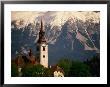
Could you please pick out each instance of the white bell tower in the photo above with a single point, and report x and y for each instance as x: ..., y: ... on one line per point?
x: 43, y: 47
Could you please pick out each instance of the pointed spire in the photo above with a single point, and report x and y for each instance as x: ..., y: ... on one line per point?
x: 41, y: 33
x: 41, y: 25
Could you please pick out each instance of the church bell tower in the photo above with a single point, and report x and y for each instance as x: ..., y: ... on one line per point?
x: 42, y: 47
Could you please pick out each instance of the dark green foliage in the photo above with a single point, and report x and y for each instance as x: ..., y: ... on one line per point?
x: 39, y: 71
x: 27, y: 70
x: 65, y: 64
x: 88, y: 68
x: 32, y: 70
x: 14, y: 70
x: 79, y: 69
x: 94, y: 65
x: 71, y: 68
x: 48, y: 72
x: 36, y: 71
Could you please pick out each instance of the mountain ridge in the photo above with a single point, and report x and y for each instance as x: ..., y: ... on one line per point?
x: 73, y: 38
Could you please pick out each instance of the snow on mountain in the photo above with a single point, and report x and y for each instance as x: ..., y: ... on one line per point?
x: 27, y: 16
x: 81, y: 37
x: 59, y: 18
x: 60, y: 24
x: 23, y: 18
x: 64, y: 31
x: 54, y: 18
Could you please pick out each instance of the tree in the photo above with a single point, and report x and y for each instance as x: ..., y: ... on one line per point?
x: 79, y: 69
x: 48, y: 72
x: 14, y: 70
x: 27, y: 70
x: 39, y: 71
x: 94, y: 64
x: 31, y: 70
x: 65, y: 64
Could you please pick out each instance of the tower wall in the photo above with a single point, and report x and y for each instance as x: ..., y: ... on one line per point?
x: 44, y: 54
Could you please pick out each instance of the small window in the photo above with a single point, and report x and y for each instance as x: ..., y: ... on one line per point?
x: 43, y: 48
x: 43, y: 56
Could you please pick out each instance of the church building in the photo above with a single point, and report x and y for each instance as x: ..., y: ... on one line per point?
x: 42, y: 47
